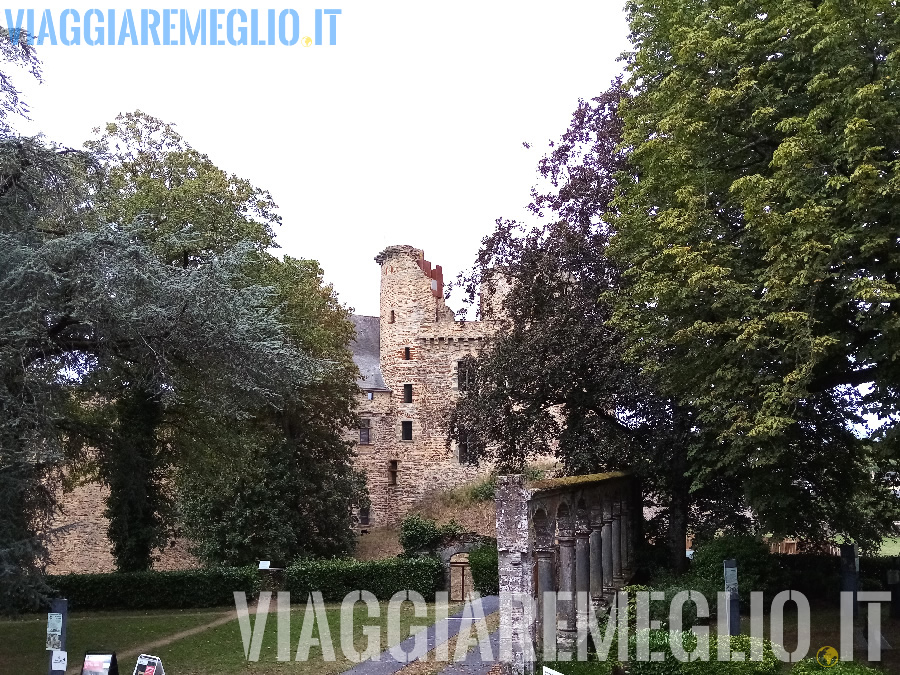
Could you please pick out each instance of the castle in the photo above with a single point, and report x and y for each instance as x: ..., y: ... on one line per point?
x: 409, y: 360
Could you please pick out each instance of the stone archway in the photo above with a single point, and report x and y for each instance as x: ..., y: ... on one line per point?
x: 457, y: 573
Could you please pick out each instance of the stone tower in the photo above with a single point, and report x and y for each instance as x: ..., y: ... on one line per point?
x: 403, y: 444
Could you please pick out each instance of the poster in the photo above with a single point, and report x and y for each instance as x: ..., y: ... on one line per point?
x: 59, y: 660
x: 54, y: 631
x: 149, y: 665
x: 100, y: 664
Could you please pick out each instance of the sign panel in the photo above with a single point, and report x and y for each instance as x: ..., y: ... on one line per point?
x: 96, y: 663
x: 149, y: 665
x: 59, y: 660
x: 54, y: 631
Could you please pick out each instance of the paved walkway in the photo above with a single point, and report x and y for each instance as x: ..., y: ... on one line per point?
x: 387, y: 664
x: 473, y: 665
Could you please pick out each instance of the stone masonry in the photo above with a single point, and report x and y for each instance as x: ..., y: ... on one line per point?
x: 419, y: 345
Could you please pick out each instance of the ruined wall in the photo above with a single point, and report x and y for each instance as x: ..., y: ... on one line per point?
x: 79, y: 543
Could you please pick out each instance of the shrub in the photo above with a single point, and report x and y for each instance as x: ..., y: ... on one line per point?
x: 807, y: 666
x: 660, y: 642
x: 336, y: 578
x: 757, y: 569
x: 483, y: 562
x: 484, y: 490
x: 423, y: 535
x: 156, y: 590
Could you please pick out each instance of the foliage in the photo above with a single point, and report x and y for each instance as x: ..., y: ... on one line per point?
x: 756, y: 225
x: 15, y: 49
x: 337, y: 578
x: 484, y: 563
x: 757, y: 568
x: 424, y: 535
x: 660, y: 641
x: 211, y: 587
x: 555, y: 377
x: 810, y: 665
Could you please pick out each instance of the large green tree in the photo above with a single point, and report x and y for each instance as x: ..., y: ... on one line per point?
x: 192, y: 213
x: 757, y: 227
x: 555, y: 378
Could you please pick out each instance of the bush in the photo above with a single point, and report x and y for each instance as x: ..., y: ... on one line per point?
x: 757, y: 569
x: 483, y: 562
x: 660, y: 642
x: 336, y: 578
x: 423, y: 535
x: 808, y: 666
x: 156, y: 590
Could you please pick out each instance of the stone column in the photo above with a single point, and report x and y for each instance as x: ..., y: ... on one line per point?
x: 546, y: 577
x: 566, y: 580
x: 606, y: 536
x: 618, y: 579
x: 582, y: 569
x: 596, y: 552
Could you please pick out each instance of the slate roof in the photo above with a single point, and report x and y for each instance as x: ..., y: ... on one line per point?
x: 367, y: 352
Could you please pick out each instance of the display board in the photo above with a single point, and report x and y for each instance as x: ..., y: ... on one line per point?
x: 100, y: 663
x: 149, y: 665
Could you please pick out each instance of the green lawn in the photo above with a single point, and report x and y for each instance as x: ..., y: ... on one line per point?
x: 219, y: 650
x: 890, y: 547
x: 22, y: 641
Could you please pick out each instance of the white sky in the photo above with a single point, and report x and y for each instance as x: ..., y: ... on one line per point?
x: 408, y: 131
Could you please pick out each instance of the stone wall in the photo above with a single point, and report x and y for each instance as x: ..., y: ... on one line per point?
x: 79, y: 543
x: 415, y: 316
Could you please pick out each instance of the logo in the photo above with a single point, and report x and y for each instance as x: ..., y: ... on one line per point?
x: 827, y: 656
x: 306, y: 42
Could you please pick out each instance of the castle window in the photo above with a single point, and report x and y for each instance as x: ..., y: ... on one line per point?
x: 370, y: 395
x: 393, y: 470
x: 407, y: 393
x: 392, y: 317
x: 364, y: 516
x: 406, y: 353
x: 406, y: 431
x: 465, y: 374
x: 464, y: 446
x: 365, y: 432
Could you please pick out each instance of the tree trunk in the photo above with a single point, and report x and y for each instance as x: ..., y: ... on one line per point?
x: 132, y: 468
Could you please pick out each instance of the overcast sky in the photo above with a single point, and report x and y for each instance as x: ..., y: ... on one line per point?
x: 408, y: 131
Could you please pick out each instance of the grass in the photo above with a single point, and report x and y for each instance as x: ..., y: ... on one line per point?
x: 219, y: 649
x: 890, y: 547
x: 22, y: 641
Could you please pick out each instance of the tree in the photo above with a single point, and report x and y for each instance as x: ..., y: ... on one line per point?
x: 756, y: 226
x: 284, y: 481
x: 555, y: 377
x: 192, y: 212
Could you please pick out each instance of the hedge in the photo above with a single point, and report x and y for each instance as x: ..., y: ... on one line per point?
x: 809, y: 666
x: 209, y: 587
x: 483, y: 561
x: 336, y: 578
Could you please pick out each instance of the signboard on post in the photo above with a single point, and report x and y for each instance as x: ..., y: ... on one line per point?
x: 149, y: 665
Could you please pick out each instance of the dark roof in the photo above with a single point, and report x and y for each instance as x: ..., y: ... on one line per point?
x: 366, y: 350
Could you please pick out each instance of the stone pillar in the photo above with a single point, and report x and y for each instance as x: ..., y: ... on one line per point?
x: 566, y: 581
x: 546, y: 582
x: 606, y: 546
x: 582, y: 569
x: 626, y: 537
x: 596, y: 553
x: 514, y: 552
x: 618, y: 578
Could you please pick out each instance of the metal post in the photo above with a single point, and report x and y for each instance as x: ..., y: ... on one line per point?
x: 59, y: 606
x: 734, y: 603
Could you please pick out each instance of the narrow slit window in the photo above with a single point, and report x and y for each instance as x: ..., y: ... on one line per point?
x: 406, y: 431
x: 407, y: 393
x: 392, y: 317
x: 393, y: 470
x: 406, y: 353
